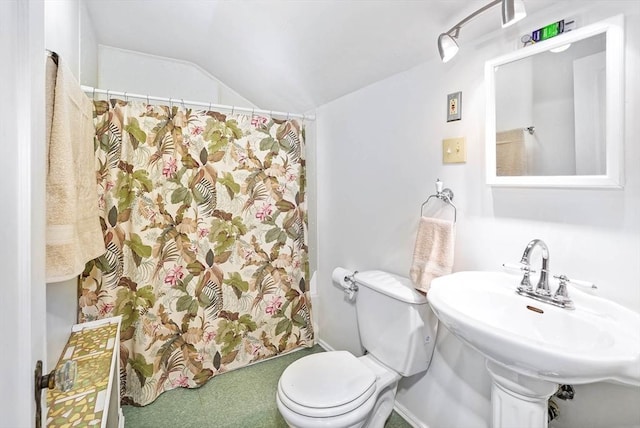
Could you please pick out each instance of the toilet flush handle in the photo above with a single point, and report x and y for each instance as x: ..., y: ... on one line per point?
x: 353, y: 285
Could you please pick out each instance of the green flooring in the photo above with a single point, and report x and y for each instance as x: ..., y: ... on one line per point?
x: 240, y: 398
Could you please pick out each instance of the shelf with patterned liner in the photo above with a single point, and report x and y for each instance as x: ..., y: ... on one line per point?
x: 93, y: 400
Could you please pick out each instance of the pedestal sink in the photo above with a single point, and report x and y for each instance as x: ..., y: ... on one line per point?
x: 532, y: 346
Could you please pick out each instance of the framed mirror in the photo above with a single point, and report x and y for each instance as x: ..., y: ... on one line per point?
x: 555, y: 111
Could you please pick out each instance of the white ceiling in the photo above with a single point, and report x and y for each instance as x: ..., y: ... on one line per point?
x: 290, y: 55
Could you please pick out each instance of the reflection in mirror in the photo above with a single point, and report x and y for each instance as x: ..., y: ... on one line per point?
x: 554, y: 111
x: 550, y: 112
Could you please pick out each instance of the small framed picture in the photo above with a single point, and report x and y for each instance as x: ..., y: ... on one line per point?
x: 454, y: 106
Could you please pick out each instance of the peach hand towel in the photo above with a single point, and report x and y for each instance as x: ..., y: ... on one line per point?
x: 433, y: 252
x: 73, y: 233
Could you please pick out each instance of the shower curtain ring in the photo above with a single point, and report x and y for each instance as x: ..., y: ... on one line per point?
x: 148, y: 99
x: 126, y: 98
x: 107, y: 95
x: 209, y: 105
x: 253, y: 112
x: 183, y: 106
x: 288, y: 113
x: 233, y: 110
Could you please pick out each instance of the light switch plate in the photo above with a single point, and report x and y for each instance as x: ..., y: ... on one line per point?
x: 454, y: 150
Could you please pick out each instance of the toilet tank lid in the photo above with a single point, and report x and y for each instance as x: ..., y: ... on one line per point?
x: 392, y: 285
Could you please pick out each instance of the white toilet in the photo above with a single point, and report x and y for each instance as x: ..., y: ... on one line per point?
x: 336, y: 389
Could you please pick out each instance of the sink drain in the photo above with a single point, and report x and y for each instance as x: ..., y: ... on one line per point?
x: 534, y: 309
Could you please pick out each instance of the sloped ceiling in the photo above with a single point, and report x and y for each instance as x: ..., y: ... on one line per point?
x: 288, y: 55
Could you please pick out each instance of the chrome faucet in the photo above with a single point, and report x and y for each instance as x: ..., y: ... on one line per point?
x: 542, y: 289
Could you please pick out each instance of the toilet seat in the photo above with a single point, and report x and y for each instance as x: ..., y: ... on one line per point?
x: 326, y: 384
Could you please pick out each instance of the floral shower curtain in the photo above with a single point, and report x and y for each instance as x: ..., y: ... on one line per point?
x: 205, y: 227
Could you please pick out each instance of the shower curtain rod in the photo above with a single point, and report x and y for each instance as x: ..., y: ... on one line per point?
x: 233, y: 109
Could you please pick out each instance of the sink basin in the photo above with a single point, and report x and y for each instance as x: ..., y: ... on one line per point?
x: 599, y: 340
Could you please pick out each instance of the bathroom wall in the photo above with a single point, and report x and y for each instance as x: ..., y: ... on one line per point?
x: 62, y: 30
x: 163, y: 77
x: 378, y: 156
x: 88, y: 49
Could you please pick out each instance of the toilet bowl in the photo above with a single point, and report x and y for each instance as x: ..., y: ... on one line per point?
x: 338, y: 390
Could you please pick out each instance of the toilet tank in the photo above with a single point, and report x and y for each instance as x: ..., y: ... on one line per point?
x: 395, y: 322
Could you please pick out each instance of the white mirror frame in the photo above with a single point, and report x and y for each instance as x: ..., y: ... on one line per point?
x: 615, y: 110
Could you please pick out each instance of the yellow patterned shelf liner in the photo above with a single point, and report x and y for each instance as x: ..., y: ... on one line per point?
x: 82, y: 406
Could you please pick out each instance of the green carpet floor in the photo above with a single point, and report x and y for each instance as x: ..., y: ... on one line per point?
x: 238, y: 399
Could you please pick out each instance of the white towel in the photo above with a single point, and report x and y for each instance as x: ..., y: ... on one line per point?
x: 73, y: 233
x: 433, y: 252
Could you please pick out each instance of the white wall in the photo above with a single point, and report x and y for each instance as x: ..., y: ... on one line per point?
x: 141, y: 73
x: 379, y: 153
x: 62, y: 31
x: 88, y: 46
x: 69, y: 32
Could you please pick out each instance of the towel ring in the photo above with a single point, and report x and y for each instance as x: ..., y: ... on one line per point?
x: 445, y: 195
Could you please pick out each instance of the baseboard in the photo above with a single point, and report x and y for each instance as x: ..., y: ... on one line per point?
x: 408, y: 416
x: 399, y: 408
x: 324, y: 345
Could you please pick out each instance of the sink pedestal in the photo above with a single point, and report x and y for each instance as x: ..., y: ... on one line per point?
x: 518, y: 401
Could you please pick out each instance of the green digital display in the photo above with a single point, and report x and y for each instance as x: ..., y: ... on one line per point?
x: 548, y: 31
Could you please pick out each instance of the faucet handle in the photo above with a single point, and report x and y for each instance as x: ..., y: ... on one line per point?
x: 586, y: 286
x: 561, y: 292
x: 562, y: 295
x: 518, y: 267
x: 525, y: 285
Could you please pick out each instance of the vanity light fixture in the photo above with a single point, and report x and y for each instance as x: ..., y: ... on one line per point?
x: 512, y: 12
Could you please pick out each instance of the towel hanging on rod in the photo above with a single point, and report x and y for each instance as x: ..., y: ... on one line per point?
x: 53, y: 55
x: 445, y: 195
